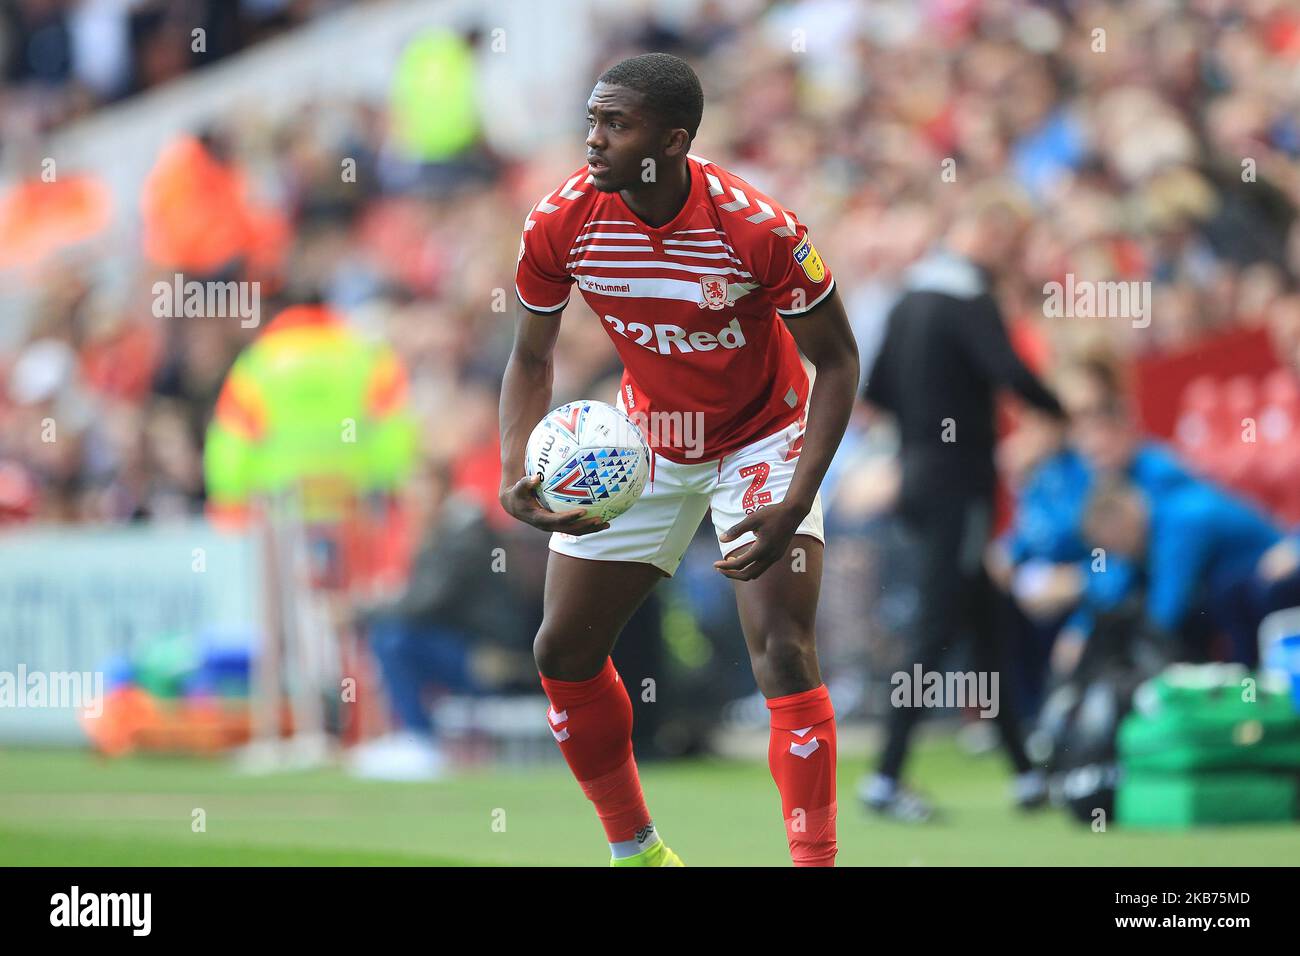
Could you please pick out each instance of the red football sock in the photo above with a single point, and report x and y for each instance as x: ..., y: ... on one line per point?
x: 592, y: 721
x: 801, y: 754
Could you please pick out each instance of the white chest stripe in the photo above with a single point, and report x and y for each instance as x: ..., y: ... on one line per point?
x: 656, y: 264
x: 681, y: 290
x: 611, y: 249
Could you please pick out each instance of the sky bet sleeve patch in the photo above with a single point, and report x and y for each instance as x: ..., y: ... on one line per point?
x: 806, y: 255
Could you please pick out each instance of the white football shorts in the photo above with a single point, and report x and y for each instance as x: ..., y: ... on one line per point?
x: 659, y: 527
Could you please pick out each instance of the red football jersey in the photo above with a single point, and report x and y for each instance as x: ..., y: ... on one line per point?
x: 692, y: 306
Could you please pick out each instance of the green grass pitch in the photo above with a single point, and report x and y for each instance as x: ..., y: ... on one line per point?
x: 72, y: 808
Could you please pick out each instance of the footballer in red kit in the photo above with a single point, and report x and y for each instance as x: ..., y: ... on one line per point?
x: 692, y: 306
x: 709, y: 290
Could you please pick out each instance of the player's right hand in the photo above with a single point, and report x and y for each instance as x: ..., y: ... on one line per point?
x: 521, y: 502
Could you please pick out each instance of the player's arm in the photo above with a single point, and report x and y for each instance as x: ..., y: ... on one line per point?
x: 525, y: 400
x: 825, y: 338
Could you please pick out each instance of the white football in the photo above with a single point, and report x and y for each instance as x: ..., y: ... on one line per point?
x: 589, y: 456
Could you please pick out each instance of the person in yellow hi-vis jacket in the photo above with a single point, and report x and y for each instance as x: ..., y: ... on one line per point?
x: 310, y: 429
x: 310, y: 404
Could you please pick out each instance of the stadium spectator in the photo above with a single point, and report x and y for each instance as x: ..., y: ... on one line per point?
x: 1106, y: 433
x: 1200, y: 552
x: 1040, y: 562
x: 199, y: 218
x: 445, y: 629
x: 1112, y: 447
x: 310, y: 409
x: 63, y: 60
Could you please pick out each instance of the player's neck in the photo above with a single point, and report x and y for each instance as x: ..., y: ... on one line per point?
x: 658, y: 203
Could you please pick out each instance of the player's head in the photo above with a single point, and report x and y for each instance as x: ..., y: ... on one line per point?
x: 646, y: 107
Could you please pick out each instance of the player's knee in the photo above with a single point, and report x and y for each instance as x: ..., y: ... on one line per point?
x: 788, y: 655
x: 558, y: 657
x: 547, y: 652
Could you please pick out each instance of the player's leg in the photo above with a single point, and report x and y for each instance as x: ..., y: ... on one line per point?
x: 778, y: 612
x: 594, y: 583
x: 587, y: 605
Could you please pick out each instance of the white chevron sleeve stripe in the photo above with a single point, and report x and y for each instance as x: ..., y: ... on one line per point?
x: 788, y: 230
x: 740, y: 202
x: 568, y: 192
x: 765, y: 213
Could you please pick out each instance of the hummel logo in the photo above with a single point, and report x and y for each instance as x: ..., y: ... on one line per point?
x: 804, y: 750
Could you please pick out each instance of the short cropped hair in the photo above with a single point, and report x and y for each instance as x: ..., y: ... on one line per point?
x: 669, y: 86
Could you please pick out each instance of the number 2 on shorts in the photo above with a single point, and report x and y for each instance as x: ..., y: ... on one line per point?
x: 753, y: 497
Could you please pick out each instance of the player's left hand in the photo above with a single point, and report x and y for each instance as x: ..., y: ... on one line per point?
x: 774, y: 527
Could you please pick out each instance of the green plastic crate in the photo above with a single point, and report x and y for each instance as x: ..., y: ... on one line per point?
x: 1194, y: 718
x: 1178, y: 801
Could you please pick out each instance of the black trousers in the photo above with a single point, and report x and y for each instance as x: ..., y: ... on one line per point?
x: 957, y: 603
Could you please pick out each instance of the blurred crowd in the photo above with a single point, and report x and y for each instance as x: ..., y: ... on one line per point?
x: 61, y: 59
x: 1155, y: 141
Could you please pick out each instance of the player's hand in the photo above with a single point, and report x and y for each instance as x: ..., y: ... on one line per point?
x: 521, y: 502
x: 774, y: 527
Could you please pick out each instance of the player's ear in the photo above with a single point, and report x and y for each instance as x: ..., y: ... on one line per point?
x: 678, y: 143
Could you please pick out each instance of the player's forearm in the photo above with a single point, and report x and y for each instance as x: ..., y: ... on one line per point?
x: 829, y: 408
x: 525, y: 399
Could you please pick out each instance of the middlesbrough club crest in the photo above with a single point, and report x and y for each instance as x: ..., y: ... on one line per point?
x: 715, y: 292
